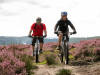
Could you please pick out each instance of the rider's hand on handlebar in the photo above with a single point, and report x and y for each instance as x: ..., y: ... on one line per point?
x: 45, y: 35
x: 29, y: 36
x: 74, y: 32
x: 71, y: 33
x: 54, y: 32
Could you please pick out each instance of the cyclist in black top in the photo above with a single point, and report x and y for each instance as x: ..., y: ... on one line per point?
x: 62, y: 26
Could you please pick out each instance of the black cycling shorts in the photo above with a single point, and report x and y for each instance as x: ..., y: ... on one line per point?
x: 41, y: 40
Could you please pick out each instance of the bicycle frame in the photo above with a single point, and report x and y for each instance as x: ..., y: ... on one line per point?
x: 65, y: 49
x: 36, y: 45
x: 65, y: 46
x: 36, y: 50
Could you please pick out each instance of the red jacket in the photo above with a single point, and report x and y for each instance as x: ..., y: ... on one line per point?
x: 38, y: 30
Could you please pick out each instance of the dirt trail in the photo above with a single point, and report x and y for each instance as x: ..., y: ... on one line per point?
x: 45, y: 70
x: 93, y: 69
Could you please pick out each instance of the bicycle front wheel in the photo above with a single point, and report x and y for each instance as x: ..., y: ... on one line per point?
x: 66, y: 51
x: 61, y: 55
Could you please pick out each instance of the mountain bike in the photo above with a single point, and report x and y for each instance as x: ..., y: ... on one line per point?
x: 64, y: 48
x: 36, y: 49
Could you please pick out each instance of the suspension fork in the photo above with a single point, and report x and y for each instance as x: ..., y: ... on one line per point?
x: 66, y: 51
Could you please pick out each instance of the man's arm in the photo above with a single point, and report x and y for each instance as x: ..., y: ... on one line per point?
x: 73, y: 28
x: 56, y: 26
x: 30, y: 32
x: 31, y: 29
x: 45, y: 31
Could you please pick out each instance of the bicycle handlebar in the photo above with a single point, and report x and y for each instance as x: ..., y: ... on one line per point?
x: 37, y: 36
x: 70, y: 33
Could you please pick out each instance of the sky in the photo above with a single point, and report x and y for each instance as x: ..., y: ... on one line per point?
x: 17, y: 16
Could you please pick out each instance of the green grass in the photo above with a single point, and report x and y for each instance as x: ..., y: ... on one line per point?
x: 46, y: 52
x: 72, y: 49
x: 41, y: 63
x: 71, y: 57
x: 64, y: 72
x: 29, y: 64
x: 51, y: 60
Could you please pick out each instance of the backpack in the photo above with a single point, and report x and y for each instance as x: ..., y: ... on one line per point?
x: 36, y: 25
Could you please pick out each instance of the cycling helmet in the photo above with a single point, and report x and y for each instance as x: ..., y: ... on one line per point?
x: 38, y: 19
x: 64, y: 13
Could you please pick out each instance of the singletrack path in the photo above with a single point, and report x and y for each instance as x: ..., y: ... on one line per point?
x: 52, y: 70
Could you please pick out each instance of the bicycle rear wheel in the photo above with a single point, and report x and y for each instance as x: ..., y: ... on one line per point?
x: 37, y: 56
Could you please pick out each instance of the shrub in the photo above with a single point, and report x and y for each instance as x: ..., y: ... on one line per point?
x: 28, y: 64
x: 51, y: 60
x: 64, y: 72
x: 97, y: 51
x: 87, y: 50
x: 14, y: 60
x: 10, y: 65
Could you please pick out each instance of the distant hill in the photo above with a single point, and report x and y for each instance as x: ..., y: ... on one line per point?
x: 26, y: 40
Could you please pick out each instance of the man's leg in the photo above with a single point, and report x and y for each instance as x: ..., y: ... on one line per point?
x: 33, y: 44
x: 41, y: 44
x: 59, y: 40
x: 33, y: 49
x: 41, y: 47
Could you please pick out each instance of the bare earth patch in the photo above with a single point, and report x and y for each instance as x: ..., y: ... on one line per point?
x: 93, y: 69
x: 52, y: 70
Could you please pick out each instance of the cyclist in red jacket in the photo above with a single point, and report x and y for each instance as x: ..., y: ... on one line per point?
x: 37, y: 29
